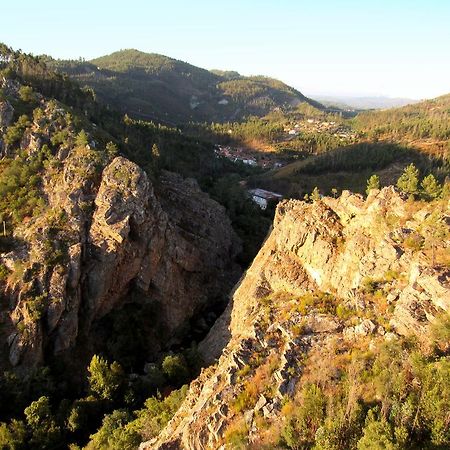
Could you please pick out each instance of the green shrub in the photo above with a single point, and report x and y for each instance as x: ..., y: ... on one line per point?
x: 15, y: 132
x: 4, y: 272
x: 105, y: 380
x: 175, y: 368
x: 36, y: 307
x: 26, y: 94
x: 114, y: 434
x: 157, y: 412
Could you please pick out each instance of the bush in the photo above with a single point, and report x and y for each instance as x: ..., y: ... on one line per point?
x: 175, y: 368
x: 15, y: 132
x: 114, y: 434
x: 45, y: 433
x: 105, y: 380
x: 13, y: 435
x: 236, y: 435
x: 157, y: 412
x: 377, y: 435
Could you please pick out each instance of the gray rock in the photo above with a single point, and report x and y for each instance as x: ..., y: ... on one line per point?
x: 6, y: 114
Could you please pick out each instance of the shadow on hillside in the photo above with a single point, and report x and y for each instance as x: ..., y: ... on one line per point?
x: 349, y: 168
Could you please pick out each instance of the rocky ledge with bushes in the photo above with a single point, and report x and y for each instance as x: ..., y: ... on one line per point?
x: 88, y: 233
x: 336, y: 337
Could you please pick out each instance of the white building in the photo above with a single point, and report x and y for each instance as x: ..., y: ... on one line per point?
x: 262, y: 197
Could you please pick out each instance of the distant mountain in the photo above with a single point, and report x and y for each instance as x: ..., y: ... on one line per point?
x: 361, y: 103
x: 156, y: 87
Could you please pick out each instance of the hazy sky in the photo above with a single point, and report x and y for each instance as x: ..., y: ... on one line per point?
x: 383, y: 47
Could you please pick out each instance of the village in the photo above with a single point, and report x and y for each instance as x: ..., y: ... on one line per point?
x: 245, y: 156
x: 273, y: 160
x: 320, y: 126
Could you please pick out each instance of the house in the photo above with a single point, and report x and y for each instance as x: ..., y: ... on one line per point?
x: 262, y: 197
x: 293, y: 132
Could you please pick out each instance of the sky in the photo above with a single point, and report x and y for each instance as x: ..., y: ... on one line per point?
x: 395, y: 48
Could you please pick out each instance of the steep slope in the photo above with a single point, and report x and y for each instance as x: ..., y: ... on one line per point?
x: 336, y: 285
x: 86, y: 234
x: 152, y: 86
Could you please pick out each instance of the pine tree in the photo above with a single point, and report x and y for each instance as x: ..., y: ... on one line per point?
x: 435, y: 231
x: 111, y: 150
x: 373, y: 183
x: 446, y: 190
x: 104, y: 379
x: 431, y: 188
x: 315, y: 194
x: 82, y: 139
x: 409, y: 180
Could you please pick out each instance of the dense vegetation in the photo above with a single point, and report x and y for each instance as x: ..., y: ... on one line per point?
x: 392, y: 396
x: 153, y: 146
x: 155, y: 87
x: 428, y: 119
x: 371, y: 156
x: 108, y: 415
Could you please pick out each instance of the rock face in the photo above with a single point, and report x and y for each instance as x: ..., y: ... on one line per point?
x: 6, y: 114
x: 344, y: 252
x: 177, y: 252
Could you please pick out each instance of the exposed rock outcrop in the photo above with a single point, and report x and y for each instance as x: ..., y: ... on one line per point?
x: 6, y: 114
x: 178, y: 252
x: 342, y: 252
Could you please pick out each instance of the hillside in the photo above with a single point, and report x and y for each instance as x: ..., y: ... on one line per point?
x: 123, y: 240
x: 156, y: 87
x: 336, y: 338
x: 385, y: 143
x: 110, y: 264
x: 425, y: 123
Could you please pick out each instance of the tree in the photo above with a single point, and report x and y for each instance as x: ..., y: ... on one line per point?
x: 175, y: 368
x: 315, y: 194
x: 409, y: 180
x: 377, y: 435
x: 156, y: 159
x: 431, y: 188
x: 104, y: 379
x: 12, y: 436
x: 373, y: 183
x: 301, y: 428
x: 435, y: 230
x: 114, y: 433
x: 45, y: 431
x: 445, y: 194
x: 26, y: 94
x: 111, y: 150
x: 82, y: 139
x: 155, y: 152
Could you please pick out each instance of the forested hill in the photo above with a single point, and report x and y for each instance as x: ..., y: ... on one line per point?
x: 427, y: 121
x: 156, y: 87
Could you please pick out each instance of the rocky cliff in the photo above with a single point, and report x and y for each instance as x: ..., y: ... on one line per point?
x: 333, y: 276
x: 100, y: 236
